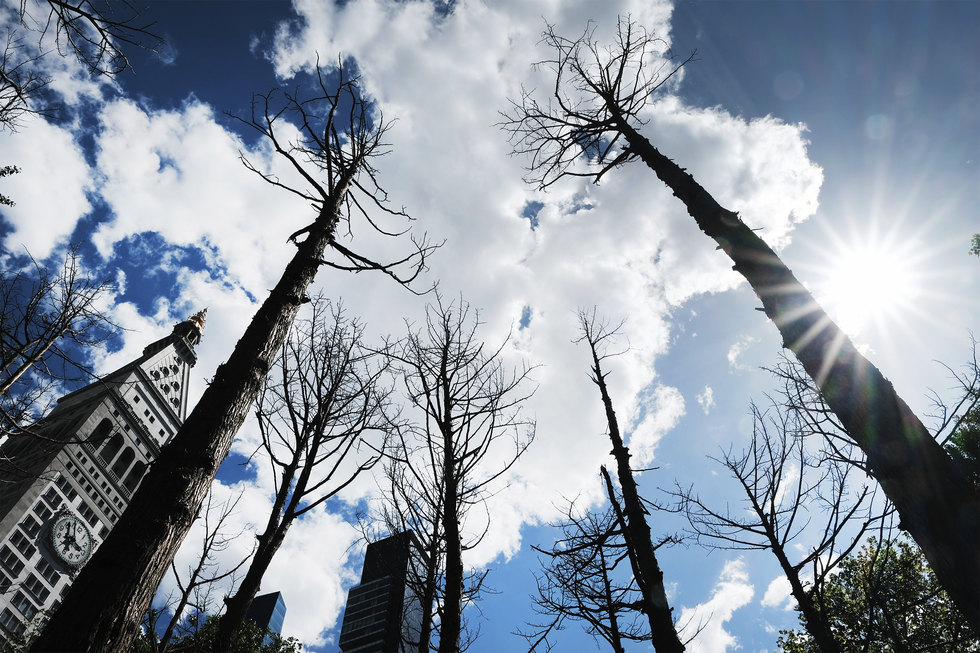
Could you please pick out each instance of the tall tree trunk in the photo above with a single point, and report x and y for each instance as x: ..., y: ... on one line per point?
x: 105, y: 605
x: 452, y: 604
x: 637, y: 531
x: 937, y: 504
x: 611, y: 607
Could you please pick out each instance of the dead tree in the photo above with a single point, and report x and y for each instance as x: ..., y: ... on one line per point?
x: 194, y: 591
x: 49, y: 321
x: 93, y: 33
x: 595, y: 114
x: 450, y: 462
x: 639, y: 540
x: 324, y: 418
x: 786, y: 489
x: 582, y: 579
x: 341, y: 136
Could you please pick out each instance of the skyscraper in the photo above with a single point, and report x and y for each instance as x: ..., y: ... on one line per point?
x: 65, y: 483
x: 267, y: 611
x: 384, y: 614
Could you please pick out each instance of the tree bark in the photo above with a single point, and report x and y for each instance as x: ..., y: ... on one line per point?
x: 937, y: 505
x: 637, y: 531
x: 104, y: 607
x: 452, y: 604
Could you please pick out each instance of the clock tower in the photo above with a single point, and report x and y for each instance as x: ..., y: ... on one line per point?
x: 64, y: 484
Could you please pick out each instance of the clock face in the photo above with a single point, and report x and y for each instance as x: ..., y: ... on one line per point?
x: 71, y: 539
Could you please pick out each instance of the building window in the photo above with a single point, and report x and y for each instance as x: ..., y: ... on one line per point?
x: 136, y: 399
x: 88, y: 514
x: 30, y: 526
x: 10, y: 622
x: 4, y: 583
x: 42, y: 511
x: 66, y: 487
x: 20, y: 541
x: 37, y: 589
x: 53, y: 498
x: 24, y: 605
x: 47, y: 572
x: 10, y: 560
x: 152, y: 419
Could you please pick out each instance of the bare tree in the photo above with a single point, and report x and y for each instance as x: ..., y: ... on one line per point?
x: 49, y: 322
x: 443, y: 467
x: 93, y: 33
x: 42, y: 313
x: 583, y: 579
x: 594, y: 115
x: 786, y: 487
x: 341, y: 136
x: 639, y: 540
x: 194, y: 591
x: 324, y: 418
x: 21, y: 87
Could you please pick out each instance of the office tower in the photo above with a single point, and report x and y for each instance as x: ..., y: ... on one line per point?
x: 65, y: 484
x: 384, y: 614
x: 267, y: 611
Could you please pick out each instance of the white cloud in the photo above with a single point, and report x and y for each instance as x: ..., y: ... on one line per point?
x: 627, y: 245
x: 736, y: 351
x: 46, y: 210
x: 779, y: 593
x: 660, y: 409
x: 706, y: 399
x: 731, y: 592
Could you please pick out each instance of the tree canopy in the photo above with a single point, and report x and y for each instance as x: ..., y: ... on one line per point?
x: 886, y: 598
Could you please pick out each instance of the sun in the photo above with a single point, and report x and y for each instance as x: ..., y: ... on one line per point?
x: 869, y: 284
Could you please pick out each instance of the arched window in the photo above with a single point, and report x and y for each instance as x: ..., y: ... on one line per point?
x: 101, y: 431
x: 111, y: 448
x: 125, y: 460
x: 135, y: 476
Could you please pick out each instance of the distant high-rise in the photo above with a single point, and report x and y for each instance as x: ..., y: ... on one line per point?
x: 384, y: 614
x: 64, y: 485
x: 267, y: 611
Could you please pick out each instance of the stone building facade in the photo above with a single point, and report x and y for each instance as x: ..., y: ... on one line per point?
x: 64, y: 484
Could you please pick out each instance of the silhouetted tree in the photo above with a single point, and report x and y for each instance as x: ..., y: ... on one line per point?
x: 93, y: 33
x: 324, y: 417
x: 341, y: 135
x: 6, y: 171
x: 789, y: 492
x: 587, y: 576
x: 194, y: 592
x: 447, y: 464
x: 636, y: 530
x: 48, y: 322
x: 595, y: 114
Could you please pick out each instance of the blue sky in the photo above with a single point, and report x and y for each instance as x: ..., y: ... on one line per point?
x: 849, y: 132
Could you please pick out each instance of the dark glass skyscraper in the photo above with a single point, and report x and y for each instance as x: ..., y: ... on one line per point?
x: 267, y: 611
x: 384, y: 614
